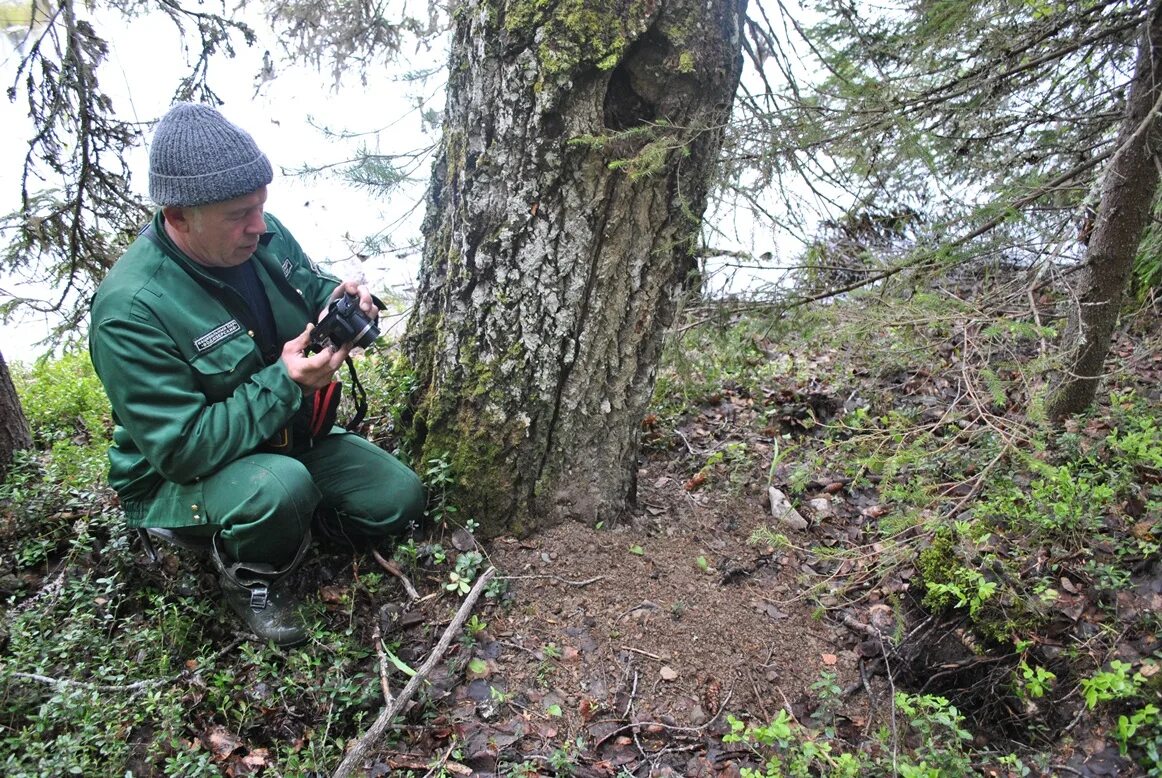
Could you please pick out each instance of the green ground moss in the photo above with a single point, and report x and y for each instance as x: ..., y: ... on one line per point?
x: 937, y: 564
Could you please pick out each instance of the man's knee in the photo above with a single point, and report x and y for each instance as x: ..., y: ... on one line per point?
x: 265, y: 505
x: 400, y: 505
x: 275, y: 484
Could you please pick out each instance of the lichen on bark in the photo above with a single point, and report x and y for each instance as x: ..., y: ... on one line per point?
x: 573, y: 33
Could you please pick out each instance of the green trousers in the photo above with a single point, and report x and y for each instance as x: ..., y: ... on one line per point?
x: 262, y: 504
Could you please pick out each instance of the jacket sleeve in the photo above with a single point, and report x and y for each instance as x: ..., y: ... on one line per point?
x: 158, y: 397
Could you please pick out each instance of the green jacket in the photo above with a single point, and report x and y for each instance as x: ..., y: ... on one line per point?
x: 189, y: 386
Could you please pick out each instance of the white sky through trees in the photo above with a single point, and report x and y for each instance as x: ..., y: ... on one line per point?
x: 285, y: 115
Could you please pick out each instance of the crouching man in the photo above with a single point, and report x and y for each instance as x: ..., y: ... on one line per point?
x: 200, y: 335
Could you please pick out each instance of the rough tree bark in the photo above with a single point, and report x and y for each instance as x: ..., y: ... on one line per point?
x: 1123, y: 212
x: 580, y: 137
x: 14, y: 434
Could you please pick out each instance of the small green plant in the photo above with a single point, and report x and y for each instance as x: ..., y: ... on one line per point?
x: 458, y: 584
x: 786, y: 750
x: 938, y: 744
x: 476, y: 625
x: 1032, y: 681
x: 1117, y: 683
x: 968, y: 588
x: 767, y: 536
x: 830, y: 696
x: 563, y: 759
x: 440, y: 480
x: 1129, y: 726
x: 407, y: 553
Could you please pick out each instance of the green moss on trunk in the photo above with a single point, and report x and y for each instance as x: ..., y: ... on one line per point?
x: 576, y: 33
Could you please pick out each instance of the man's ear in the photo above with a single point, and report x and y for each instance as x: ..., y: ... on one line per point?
x: 177, y: 218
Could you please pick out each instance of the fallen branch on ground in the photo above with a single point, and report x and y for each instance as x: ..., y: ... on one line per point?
x: 557, y: 578
x: 393, y: 568
x: 362, y: 748
x: 377, y: 639
x: 132, y: 688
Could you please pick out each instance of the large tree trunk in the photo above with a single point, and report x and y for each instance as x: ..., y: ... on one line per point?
x: 14, y: 434
x: 566, y: 200
x: 1124, y: 209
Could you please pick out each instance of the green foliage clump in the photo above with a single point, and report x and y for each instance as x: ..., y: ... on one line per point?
x: 118, y: 668
x: 1139, y: 725
x: 69, y: 416
x: 1080, y: 499
x: 390, y: 382
x: 937, y: 744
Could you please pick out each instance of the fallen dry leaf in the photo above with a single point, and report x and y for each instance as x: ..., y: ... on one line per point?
x: 333, y: 595
x: 697, y: 480
x: 223, y: 742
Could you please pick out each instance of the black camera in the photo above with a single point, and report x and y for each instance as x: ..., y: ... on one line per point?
x: 344, y: 323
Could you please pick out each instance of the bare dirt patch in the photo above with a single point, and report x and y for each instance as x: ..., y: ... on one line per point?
x: 624, y: 648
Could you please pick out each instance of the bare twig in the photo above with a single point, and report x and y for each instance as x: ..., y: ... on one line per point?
x: 134, y: 687
x: 360, y: 751
x: 557, y: 578
x: 632, y: 693
x: 393, y: 568
x: 636, y: 726
x: 892, y: 708
x: 377, y: 639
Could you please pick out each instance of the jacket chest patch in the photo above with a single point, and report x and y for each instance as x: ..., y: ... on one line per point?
x: 286, y: 267
x: 217, y: 335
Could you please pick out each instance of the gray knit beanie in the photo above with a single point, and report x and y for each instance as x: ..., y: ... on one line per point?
x: 198, y: 157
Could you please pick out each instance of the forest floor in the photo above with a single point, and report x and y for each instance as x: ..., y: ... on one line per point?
x: 630, y: 648
x: 623, y: 650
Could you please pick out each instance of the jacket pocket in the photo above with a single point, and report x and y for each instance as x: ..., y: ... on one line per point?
x: 220, y: 370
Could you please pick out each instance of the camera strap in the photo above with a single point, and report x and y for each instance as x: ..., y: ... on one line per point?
x: 358, y: 396
x: 324, y: 406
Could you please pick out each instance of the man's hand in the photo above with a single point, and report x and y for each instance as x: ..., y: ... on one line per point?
x: 314, y: 371
x: 357, y: 287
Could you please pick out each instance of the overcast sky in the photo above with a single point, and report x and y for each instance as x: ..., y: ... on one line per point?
x: 284, y: 115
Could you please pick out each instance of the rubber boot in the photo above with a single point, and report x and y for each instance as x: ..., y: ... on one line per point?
x: 252, y: 591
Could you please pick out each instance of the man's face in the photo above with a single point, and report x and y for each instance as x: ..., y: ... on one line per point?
x: 219, y: 234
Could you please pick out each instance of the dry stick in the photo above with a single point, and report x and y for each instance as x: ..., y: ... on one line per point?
x: 134, y: 687
x: 393, y: 568
x: 363, y: 746
x: 377, y: 639
x: 559, y: 579
x: 892, y: 698
x: 643, y: 653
